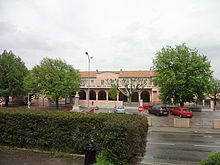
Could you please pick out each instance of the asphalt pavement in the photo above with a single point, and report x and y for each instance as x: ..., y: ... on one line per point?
x: 182, y: 146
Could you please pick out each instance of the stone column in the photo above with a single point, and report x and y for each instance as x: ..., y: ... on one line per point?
x: 141, y: 102
x: 212, y: 104
x: 203, y: 103
x: 76, y: 103
x: 106, y: 95
x: 117, y: 96
x: 97, y: 95
x: 151, y: 96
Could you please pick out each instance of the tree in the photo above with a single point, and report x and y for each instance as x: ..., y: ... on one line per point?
x: 215, y: 91
x: 183, y: 75
x: 113, y: 92
x: 131, y: 85
x: 127, y: 86
x: 54, y: 79
x: 12, y: 73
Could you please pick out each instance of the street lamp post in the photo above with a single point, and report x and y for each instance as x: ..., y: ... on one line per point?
x: 29, y: 100
x: 89, y: 58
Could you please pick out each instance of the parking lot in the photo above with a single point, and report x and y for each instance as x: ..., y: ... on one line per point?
x: 199, y: 120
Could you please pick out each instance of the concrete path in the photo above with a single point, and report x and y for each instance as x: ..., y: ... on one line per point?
x: 9, y: 156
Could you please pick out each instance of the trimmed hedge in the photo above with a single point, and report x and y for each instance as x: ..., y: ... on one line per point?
x: 211, y: 160
x: 122, y: 137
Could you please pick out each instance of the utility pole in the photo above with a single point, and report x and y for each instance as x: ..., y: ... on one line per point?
x: 89, y: 58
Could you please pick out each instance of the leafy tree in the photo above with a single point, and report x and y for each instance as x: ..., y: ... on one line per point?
x: 53, y: 78
x: 113, y: 92
x: 12, y: 73
x: 183, y: 75
x: 215, y: 91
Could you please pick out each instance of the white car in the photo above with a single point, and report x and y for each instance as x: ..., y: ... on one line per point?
x: 120, y: 110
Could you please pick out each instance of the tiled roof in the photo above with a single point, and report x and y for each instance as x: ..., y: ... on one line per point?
x: 123, y: 74
x: 86, y: 74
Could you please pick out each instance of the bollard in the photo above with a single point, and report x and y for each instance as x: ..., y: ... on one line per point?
x: 90, y: 156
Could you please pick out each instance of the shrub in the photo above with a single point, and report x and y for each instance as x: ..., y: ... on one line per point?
x: 101, y: 159
x: 96, y: 108
x: 123, y: 137
x: 211, y: 160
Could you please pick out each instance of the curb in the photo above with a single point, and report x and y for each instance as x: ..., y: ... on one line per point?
x: 189, y: 132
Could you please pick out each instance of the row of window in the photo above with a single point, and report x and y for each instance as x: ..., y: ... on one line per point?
x: 123, y: 81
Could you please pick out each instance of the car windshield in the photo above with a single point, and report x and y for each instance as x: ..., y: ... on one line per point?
x: 186, y: 110
x: 120, y: 107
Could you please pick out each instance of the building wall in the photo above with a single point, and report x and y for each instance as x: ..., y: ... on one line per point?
x: 103, y: 81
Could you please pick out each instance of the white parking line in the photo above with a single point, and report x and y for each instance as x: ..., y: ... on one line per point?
x: 161, y: 144
x: 207, y: 146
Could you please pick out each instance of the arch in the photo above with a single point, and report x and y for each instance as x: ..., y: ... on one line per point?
x: 134, y: 97
x: 102, y: 95
x: 145, y: 96
x: 122, y: 97
x: 82, y: 95
x: 92, y: 95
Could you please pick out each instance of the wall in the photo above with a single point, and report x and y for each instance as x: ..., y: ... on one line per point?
x: 100, y: 103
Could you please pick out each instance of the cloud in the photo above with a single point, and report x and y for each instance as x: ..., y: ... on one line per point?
x: 118, y: 34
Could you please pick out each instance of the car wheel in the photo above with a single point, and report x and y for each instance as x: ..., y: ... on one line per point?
x: 171, y: 112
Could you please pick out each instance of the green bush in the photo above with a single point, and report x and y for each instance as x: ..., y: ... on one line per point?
x: 211, y: 160
x: 123, y: 137
x: 101, y: 159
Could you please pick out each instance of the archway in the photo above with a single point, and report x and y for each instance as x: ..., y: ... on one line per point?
x: 134, y: 97
x: 92, y: 95
x: 82, y: 95
x: 145, y: 96
x: 122, y: 97
x: 102, y: 95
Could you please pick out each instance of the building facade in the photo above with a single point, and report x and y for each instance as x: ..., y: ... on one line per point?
x: 139, y: 83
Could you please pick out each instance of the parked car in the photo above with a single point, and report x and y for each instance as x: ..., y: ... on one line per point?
x: 181, y: 112
x: 169, y: 108
x: 120, y: 110
x: 159, y: 110
x: 146, y: 107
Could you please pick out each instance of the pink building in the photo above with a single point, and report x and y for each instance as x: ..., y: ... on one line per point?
x: 101, y: 82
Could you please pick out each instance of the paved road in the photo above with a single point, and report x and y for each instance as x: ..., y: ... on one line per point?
x: 180, y: 148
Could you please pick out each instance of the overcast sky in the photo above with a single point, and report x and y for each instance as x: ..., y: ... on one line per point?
x: 118, y: 34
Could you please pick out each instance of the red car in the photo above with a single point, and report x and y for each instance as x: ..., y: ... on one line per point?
x: 181, y: 112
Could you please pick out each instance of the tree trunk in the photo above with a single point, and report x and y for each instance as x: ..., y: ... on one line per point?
x: 181, y: 104
x: 215, y: 103
x: 57, y: 103
x: 129, y: 99
x: 6, y: 100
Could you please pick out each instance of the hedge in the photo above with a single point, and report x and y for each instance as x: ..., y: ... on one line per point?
x: 211, y: 160
x: 121, y: 137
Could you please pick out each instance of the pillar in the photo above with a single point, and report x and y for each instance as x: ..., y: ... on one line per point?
x: 97, y: 95
x: 106, y: 95
x: 151, y: 96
